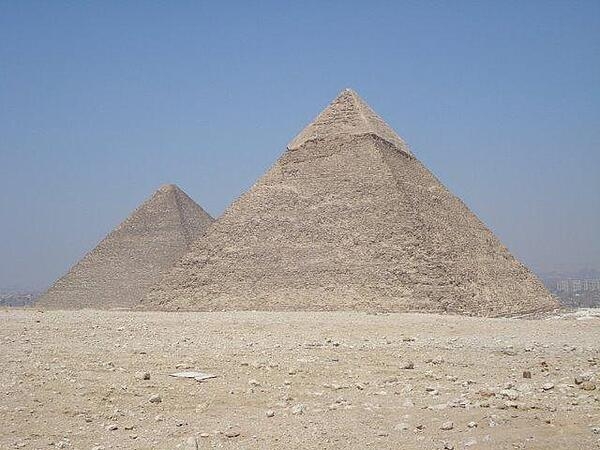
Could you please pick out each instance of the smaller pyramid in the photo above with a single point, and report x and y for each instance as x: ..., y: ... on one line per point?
x: 119, y: 271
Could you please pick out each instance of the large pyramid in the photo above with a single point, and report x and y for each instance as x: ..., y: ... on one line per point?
x: 123, y: 266
x: 348, y: 218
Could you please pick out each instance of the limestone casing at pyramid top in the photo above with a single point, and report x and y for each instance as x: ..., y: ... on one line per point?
x: 348, y: 115
x: 169, y: 187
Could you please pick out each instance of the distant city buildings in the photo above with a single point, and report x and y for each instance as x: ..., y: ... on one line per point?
x: 20, y: 298
x: 575, y: 292
x: 575, y: 285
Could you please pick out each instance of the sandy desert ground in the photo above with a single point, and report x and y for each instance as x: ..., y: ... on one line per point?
x: 297, y: 380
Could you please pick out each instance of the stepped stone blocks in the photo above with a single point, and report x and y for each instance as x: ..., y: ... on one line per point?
x: 348, y: 218
x: 123, y: 267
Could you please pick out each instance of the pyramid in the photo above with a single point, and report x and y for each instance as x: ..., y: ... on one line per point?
x: 349, y: 219
x: 125, y: 264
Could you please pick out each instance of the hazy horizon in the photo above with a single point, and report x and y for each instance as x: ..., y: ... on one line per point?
x: 101, y: 103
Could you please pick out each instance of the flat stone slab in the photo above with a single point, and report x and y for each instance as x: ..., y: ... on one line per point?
x: 198, y: 376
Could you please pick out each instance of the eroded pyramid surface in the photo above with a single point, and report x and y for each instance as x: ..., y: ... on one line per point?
x: 124, y: 265
x: 348, y: 218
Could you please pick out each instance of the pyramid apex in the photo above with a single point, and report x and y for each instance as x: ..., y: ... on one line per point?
x: 348, y: 115
x: 168, y: 188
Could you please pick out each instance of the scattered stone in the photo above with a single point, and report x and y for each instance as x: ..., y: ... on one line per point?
x: 588, y: 386
x: 408, y: 365
x: 270, y: 413
x: 232, y: 433
x: 526, y: 374
x: 191, y: 444
x: 548, y: 386
x: 448, y: 446
x: 510, y: 394
x: 142, y: 375
x: 401, y: 427
x: 580, y: 379
x: 155, y: 398
x: 446, y: 426
x: 253, y: 383
x: 472, y: 424
x: 112, y: 427
x: 298, y: 409
x: 596, y: 430
x: 486, y: 393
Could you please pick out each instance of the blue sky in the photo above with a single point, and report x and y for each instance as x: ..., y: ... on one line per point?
x: 102, y: 102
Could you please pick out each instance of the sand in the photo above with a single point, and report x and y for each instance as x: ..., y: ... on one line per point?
x: 327, y: 379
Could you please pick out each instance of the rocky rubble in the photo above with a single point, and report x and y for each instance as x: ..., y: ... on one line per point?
x: 297, y: 380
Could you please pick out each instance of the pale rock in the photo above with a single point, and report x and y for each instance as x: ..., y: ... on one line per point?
x: 510, y: 394
x: 401, y: 427
x: 447, y: 426
x: 232, y: 433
